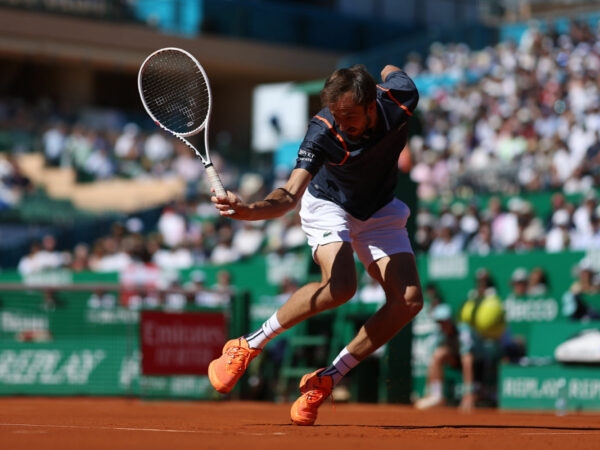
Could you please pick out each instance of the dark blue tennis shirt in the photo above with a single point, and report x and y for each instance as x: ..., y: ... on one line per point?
x: 360, y: 176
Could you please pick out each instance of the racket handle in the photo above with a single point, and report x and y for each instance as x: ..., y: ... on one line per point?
x: 215, y: 181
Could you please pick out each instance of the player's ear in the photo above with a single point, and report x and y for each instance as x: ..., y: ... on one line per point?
x: 372, y: 108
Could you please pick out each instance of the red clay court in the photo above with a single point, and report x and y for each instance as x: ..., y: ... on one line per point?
x: 111, y: 423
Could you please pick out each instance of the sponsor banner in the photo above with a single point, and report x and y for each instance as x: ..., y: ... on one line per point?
x: 180, y: 343
x: 66, y: 367
x: 540, y: 387
x: 94, y: 366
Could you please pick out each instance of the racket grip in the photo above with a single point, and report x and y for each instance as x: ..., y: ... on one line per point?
x: 215, y: 181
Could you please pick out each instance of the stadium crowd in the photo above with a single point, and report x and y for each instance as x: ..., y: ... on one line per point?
x: 523, y: 117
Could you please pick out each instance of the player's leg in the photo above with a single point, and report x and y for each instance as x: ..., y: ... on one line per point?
x: 398, y: 275
x: 404, y: 299
x: 338, y: 285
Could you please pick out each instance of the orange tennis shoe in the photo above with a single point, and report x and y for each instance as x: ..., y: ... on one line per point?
x: 226, y: 370
x: 315, y: 390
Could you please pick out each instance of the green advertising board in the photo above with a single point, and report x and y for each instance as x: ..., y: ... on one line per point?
x: 103, y: 366
x: 540, y: 388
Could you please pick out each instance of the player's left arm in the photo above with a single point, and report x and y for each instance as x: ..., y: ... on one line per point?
x: 399, y: 88
x: 387, y: 70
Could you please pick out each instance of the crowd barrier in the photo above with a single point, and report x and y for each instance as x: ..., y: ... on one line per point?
x: 64, y: 333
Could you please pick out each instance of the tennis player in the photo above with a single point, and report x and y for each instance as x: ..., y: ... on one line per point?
x: 345, y: 177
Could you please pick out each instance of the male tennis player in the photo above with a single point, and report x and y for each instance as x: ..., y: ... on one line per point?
x: 345, y: 176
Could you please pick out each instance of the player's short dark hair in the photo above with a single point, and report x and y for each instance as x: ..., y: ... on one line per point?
x: 355, y: 79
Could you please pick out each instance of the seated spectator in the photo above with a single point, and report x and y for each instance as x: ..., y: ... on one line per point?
x: 249, y: 238
x: 483, y: 243
x: 174, y: 297
x: 224, y: 252
x: 538, y: 283
x: 201, y: 294
x: 558, y: 238
x: 448, y: 242
x: 576, y: 302
x: 224, y: 288
x: 371, y: 291
x: 14, y: 185
x: 458, y: 345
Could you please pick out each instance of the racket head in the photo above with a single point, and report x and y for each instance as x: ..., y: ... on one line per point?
x: 175, y: 91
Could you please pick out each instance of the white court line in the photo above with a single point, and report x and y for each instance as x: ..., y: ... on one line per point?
x: 552, y: 433
x: 156, y: 430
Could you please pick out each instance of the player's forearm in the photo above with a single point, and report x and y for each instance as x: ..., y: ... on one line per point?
x: 276, y: 204
x: 283, y: 199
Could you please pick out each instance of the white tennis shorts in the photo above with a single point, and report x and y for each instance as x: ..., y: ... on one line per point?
x: 383, y: 234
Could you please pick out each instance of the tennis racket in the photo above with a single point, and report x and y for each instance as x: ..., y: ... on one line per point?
x: 176, y: 94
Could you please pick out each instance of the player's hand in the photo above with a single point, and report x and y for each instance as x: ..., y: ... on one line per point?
x: 229, y: 206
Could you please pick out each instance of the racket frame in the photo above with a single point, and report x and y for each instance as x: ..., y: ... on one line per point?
x: 213, y: 176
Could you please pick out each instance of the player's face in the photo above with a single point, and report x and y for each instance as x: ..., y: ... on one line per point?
x: 352, y: 119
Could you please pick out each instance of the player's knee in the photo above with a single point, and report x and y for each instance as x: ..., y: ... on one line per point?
x: 341, y: 291
x: 414, y: 300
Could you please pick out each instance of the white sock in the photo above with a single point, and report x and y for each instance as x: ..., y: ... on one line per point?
x: 341, y: 365
x: 268, y: 330
x: 435, y: 389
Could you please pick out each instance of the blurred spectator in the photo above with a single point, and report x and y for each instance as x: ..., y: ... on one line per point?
x: 109, y: 256
x: 458, y: 346
x: 224, y: 288
x: 292, y: 235
x: 54, y: 142
x: 128, y: 151
x: 371, y: 291
x: 30, y: 263
x: 538, y: 283
x: 249, y: 238
x: 13, y: 183
x: 588, y: 240
x: 201, y: 294
x: 582, y: 216
x: 42, y: 256
x: 224, y: 252
x: 425, y: 232
x: 140, y: 280
x: 172, y: 225
x: 448, y: 241
x: 483, y: 243
x: 577, y: 301
x: 102, y: 299
x: 80, y: 260
x: 158, y: 151
x: 174, y: 297
x: 50, y: 257
x: 188, y: 167
x: 173, y: 258
x: 558, y: 238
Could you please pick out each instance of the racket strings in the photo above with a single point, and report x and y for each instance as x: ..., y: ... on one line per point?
x: 176, y: 92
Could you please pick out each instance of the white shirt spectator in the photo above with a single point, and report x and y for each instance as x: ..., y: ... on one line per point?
x: 172, y: 227
x: 248, y: 239
x: 558, y: 238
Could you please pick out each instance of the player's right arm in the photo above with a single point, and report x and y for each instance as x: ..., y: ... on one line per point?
x: 277, y: 203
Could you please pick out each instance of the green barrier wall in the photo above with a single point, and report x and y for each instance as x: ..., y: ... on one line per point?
x: 81, y: 333
x: 531, y: 388
x: 92, y: 366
